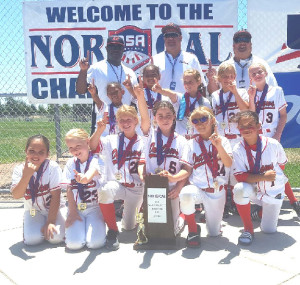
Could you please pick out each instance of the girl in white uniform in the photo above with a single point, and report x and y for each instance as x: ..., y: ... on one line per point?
x: 82, y: 176
x: 186, y: 103
x: 166, y: 151
x: 258, y: 166
x: 211, y: 158
x: 270, y: 105
x: 38, y: 181
x: 124, y: 158
x: 226, y: 103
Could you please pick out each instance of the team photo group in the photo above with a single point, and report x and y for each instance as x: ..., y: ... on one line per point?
x: 215, y: 137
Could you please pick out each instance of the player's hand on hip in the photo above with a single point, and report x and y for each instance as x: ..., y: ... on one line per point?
x: 84, y: 63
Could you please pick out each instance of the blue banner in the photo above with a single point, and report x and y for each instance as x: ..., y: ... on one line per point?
x: 290, y: 82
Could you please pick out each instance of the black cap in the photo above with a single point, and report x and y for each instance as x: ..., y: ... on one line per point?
x: 171, y: 27
x: 115, y: 40
x: 242, y: 34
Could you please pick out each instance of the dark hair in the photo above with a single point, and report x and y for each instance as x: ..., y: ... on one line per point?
x: 38, y: 137
x: 164, y: 104
x: 151, y: 66
x: 114, y: 84
x: 246, y: 114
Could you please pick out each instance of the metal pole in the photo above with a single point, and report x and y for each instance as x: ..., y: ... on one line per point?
x: 57, y: 131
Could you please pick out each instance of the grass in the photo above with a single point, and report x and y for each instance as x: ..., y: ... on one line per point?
x: 14, y: 134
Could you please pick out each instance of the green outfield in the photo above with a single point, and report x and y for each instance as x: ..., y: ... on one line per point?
x: 14, y: 134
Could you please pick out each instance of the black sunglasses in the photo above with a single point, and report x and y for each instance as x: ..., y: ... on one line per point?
x: 200, y: 120
x: 242, y: 40
x: 171, y: 35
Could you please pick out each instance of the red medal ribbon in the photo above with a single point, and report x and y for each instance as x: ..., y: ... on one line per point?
x: 121, y: 154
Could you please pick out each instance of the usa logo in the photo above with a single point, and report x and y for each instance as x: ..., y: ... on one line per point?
x: 138, y: 46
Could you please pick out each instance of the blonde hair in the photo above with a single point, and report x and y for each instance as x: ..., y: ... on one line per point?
x: 224, y: 68
x: 193, y: 72
x: 77, y: 134
x: 204, y: 111
x: 258, y: 64
x: 126, y: 110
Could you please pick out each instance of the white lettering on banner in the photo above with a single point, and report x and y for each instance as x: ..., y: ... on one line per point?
x: 58, y: 34
x: 157, y: 205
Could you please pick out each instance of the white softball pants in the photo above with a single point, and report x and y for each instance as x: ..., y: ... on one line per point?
x: 32, y: 234
x: 90, y: 231
x: 213, y: 204
x: 133, y: 198
x: 245, y: 192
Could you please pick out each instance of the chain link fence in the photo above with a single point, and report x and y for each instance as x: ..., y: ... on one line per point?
x: 19, y: 119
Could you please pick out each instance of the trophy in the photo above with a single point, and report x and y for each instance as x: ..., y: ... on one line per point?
x: 155, y: 224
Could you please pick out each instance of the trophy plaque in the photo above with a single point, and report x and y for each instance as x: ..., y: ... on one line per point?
x: 155, y: 223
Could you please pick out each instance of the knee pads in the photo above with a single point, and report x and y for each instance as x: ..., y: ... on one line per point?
x: 241, y: 193
x: 187, y: 203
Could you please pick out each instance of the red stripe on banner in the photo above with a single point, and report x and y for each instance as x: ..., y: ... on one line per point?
x: 289, y: 56
x: 49, y: 73
x: 67, y: 29
x: 200, y: 26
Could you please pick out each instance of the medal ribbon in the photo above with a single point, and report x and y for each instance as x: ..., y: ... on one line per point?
x: 243, y: 66
x: 150, y: 103
x: 173, y: 63
x: 34, y: 183
x: 224, y: 107
x: 191, y: 107
x: 112, y: 119
x: 212, y: 165
x: 160, y: 155
x: 121, y: 154
x: 121, y: 72
x: 261, y: 100
x: 254, y: 167
x: 77, y: 167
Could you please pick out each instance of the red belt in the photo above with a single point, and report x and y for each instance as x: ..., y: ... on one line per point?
x: 212, y: 190
x: 231, y: 137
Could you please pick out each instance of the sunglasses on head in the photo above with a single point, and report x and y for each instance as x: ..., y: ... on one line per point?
x: 242, y: 40
x: 171, y: 35
x: 200, y: 120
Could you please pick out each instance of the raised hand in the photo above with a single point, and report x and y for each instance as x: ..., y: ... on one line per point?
x: 232, y: 87
x: 211, y: 72
x: 215, y: 138
x: 92, y: 88
x: 139, y: 88
x: 127, y: 82
x: 251, y: 91
x: 101, y: 124
x: 29, y: 168
x: 84, y: 63
x: 80, y: 177
x: 156, y: 87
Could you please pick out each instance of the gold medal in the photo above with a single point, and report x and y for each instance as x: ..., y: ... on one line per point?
x: 81, y: 206
x: 118, y: 176
x: 32, y: 212
x: 157, y: 170
x: 216, y: 185
x: 223, y: 125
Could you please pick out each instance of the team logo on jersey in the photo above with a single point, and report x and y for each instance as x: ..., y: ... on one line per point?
x: 138, y: 45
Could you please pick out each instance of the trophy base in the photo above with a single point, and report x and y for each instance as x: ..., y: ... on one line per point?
x: 160, y: 244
